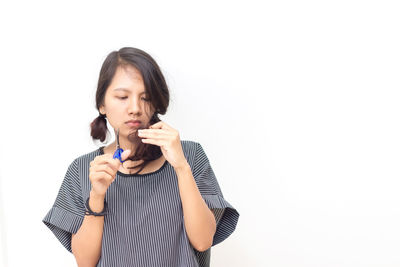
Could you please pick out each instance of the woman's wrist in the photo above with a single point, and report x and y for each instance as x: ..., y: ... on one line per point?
x: 94, y: 195
x: 96, y: 202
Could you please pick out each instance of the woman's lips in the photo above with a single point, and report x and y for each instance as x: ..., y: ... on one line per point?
x: 133, y: 123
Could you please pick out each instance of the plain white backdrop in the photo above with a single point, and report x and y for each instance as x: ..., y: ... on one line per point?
x: 296, y: 104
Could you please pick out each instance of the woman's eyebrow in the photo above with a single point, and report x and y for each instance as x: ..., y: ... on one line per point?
x: 126, y: 90
x: 122, y: 89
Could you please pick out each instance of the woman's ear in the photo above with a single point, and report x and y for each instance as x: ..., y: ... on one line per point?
x: 102, y: 111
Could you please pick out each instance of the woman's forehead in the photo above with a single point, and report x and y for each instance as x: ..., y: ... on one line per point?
x: 128, y: 80
x: 128, y: 72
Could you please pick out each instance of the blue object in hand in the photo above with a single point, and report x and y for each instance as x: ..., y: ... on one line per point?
x: 118, y: 152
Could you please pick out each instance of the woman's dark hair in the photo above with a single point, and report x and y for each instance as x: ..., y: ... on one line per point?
x: 156, y: 90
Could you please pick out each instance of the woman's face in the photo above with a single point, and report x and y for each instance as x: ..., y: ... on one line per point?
x: 126, y: 100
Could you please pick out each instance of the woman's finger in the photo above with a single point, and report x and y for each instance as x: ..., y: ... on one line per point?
x: 104, y: 168
x: 156, y: 134
x: 125, y: 154
x: 157, y: 142
x: 101, y: 175
x: 101, y: 159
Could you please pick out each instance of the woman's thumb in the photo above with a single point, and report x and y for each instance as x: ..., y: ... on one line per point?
x: 125, y: 154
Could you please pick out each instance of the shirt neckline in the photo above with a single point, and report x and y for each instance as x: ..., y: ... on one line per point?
x: 101, y: 151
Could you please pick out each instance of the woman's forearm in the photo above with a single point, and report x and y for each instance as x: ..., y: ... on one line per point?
x: 199, y: 220
x: 86, y: 243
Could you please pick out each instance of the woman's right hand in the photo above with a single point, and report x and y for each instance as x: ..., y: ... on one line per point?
x: 103, y: 170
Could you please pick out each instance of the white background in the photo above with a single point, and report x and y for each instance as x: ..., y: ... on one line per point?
x: 296, y: 104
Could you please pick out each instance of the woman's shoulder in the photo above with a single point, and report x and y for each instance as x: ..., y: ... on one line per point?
x: 193, y: 152
x: 87, y: 157
x: 188, y: 144
x: 190, y: 147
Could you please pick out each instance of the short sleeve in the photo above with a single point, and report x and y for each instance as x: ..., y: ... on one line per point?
x: 68, y: 211
x: 225, y: 214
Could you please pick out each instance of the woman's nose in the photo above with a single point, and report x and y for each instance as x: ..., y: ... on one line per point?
x: 134, y: 105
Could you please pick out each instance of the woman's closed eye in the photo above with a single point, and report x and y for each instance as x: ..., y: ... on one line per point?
x: 125, y: 97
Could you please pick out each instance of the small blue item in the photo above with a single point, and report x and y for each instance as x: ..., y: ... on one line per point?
x: 118, y: 152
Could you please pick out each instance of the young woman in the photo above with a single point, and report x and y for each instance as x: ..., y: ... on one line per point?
x: 160, y: 203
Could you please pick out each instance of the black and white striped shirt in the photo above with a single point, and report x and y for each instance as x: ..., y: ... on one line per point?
x: 144, y: 225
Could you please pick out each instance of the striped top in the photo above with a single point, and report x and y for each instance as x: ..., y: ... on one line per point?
x: 144, y: 225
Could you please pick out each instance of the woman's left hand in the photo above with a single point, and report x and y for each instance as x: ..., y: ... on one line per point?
x: 167, y: 138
